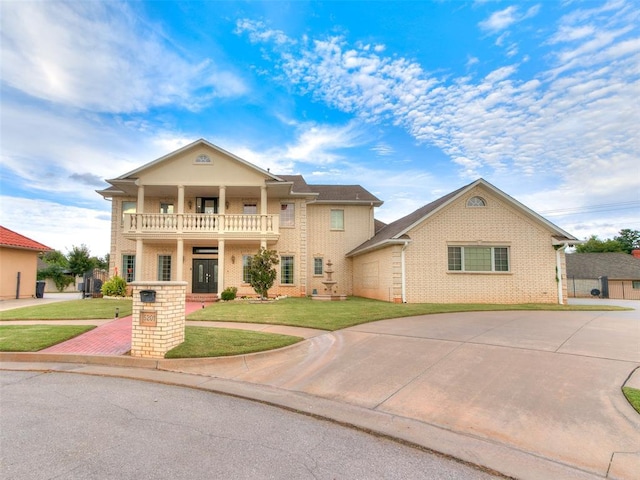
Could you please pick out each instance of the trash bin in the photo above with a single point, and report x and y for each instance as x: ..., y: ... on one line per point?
x: 40, y: 288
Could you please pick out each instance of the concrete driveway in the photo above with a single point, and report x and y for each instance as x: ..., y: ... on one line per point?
x: 544, y: 384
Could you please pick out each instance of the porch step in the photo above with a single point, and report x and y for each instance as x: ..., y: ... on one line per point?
x: 202, y: 297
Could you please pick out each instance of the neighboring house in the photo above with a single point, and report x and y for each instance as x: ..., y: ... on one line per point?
x: 18, y: 264
x: 614, y: 275
x: 199, y: 213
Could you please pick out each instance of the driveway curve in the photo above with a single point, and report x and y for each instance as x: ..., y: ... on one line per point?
x: 544, y: 383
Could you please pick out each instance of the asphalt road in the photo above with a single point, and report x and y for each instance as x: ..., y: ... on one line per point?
x: 66, y: 426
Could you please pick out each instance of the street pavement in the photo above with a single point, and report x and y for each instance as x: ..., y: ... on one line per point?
x: 528, y: 394
x: 95, y: 428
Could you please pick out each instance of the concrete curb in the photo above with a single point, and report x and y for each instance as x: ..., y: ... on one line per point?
x: 483, y: 453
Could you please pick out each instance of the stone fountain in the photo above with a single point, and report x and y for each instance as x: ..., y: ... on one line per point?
x: 329, y: 287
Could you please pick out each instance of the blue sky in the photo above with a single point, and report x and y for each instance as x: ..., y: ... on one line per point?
x: 409, y: 99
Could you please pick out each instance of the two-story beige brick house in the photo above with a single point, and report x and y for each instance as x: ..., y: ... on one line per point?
x: 199, y: 213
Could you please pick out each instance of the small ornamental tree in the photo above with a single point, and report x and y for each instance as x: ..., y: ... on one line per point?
x: 262, y: 272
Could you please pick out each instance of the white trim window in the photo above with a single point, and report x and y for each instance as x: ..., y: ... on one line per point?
x: 287, y: 214
x: 317, y: 266
x: 286, y: 269
x: 246, y: 264
x: 478, y: 259
x: 337, y: 219
x: 164, y: 268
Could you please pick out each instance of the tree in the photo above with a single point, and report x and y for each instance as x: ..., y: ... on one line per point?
x: 80, y: 260
x: 593, y: 244
x: 55, y: 257
x: 629, y: 239
x: 262, y: 272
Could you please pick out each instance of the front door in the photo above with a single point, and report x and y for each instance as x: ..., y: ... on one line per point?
x: 205, y: 276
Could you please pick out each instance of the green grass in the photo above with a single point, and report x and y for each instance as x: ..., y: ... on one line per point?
x: 304, y: 312
x: 633, y: 396
x: 88, y: 309
x: 219, y: 342
x: 31, y: 338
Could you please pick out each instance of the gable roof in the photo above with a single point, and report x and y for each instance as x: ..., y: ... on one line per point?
x: 615, y: 265
x: 396, y: 232
x: 344, y: 194
x: 11, y: 239
x: 202, y: 141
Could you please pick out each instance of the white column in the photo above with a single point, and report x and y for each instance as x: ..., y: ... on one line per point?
x: 222, y: 208
x: 220, y: 266
x: 179, y: 259
x: 180, y: 211
x: 139, y: 252
x: 263, y: 208
x: 139, y: 207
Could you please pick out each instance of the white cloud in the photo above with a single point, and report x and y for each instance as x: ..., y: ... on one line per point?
x: 574, y: 124
x: 500, y: 20
x: 99, y: 56
x: 73, y: 226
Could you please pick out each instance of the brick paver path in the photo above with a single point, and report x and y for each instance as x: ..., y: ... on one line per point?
x: 113, y: 338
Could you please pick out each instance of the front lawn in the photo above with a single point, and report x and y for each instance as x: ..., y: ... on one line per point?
x: 633, y: 396
x: 304, y: 312
x: 32, y: 338
x: 220, y: 342
x: 88, y: 309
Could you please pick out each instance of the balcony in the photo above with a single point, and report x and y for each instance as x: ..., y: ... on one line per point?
x: 200, y: 225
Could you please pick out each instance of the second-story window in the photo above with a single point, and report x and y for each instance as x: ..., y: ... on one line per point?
x: 287, y: 215
x: 127, y: 207
x: 337, y: 219
x: 250, y: 209
x: 166, y: 208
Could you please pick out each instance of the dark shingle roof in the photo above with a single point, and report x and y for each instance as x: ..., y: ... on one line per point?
x: 393, y: 229
x: 617, y: 266
x: 299, y: 183
x: 343, y: 193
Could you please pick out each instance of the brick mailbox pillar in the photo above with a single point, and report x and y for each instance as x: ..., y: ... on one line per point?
x: 158, y: 317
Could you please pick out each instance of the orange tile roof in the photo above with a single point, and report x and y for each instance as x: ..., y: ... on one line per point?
x: 9, y: 238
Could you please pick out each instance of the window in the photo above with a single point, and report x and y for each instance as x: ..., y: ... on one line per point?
x: 476, y: 202
x: 129, y: 268
x: 128, y: 207
x: 250, y: 209
x: 286, y: 270
x: 478, y: 259
x: 317, y: 266
x: 246, y: 262
x: 337, y: 219
x: 287, y: 215
x: 166, y: 208
x: 164, y: 268
x: 635, y: 283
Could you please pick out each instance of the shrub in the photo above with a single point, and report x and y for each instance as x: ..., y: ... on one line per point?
x: 114, y: 287
x: 56, y: 273
x: 229, y: 293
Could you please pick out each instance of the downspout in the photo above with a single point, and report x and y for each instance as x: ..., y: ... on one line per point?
x: 562, y: 248
x: 404, y: 283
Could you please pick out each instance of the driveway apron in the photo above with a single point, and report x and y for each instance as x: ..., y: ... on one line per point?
x: 546, y: 383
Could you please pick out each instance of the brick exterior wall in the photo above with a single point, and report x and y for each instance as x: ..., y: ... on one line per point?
x: 532, y: 258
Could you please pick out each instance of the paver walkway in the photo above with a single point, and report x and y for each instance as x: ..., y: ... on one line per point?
x: 113, y: 338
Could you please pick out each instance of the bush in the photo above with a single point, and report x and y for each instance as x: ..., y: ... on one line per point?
x: 56, y: 273
x: 114, y: 287
x: 229, y: 293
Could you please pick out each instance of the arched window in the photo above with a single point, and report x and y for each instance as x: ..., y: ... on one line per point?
x: 476, y: 202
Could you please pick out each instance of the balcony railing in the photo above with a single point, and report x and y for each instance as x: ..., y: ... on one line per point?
x: 200, y: 223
